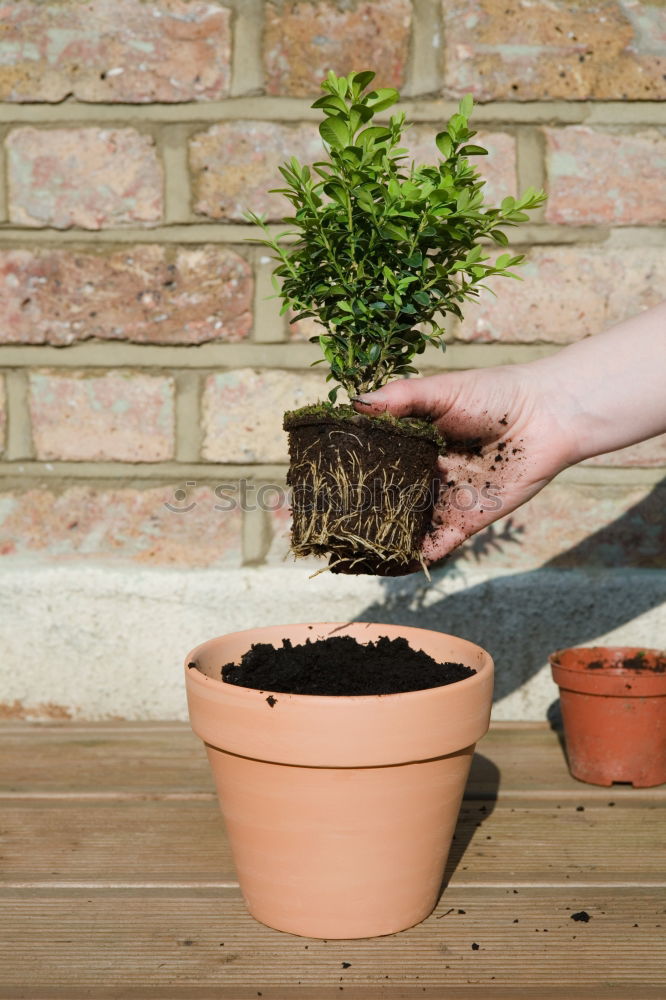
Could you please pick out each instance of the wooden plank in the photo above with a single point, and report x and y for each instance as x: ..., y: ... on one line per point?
x: 166, y: 758
x: 181, y: 945
x: 103, y: 759
x: 151, y: 842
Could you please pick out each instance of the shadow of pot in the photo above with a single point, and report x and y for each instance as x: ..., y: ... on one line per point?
x: 614, y: 716
x: 340, y: 811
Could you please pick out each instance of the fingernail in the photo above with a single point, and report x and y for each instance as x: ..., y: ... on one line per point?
x: 368, y: 399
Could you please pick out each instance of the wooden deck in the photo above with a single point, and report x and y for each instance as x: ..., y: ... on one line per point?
x: 117, y: 883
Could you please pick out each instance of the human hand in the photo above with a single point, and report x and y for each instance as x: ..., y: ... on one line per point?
x: 506, y: 440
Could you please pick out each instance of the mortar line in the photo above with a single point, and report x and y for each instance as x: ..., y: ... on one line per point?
x: 425, y: 47
x: 268, y: 326
x: 290, y: 109
x: 531, y: 164
x: 4, y: 175
x: 291, y: 356
x: 247, y: 72
x: 19, y: 443
x: 188, y: 429
x: 239, y: 233
x: 56, y: 474
x: 255, y: 537
x: 172, y: 146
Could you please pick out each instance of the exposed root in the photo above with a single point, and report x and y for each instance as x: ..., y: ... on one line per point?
x: 326, y: 512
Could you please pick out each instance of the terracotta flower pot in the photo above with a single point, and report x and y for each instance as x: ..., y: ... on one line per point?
x: 614, y: 717
x: 340, y: 810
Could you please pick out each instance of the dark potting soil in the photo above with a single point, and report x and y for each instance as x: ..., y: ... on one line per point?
x: 340, y: 665
x: 638, y: 662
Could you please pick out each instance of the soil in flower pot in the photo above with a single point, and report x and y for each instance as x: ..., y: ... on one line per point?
x: 363, y: 488
x: 638, y: 661
x: 340, y: 665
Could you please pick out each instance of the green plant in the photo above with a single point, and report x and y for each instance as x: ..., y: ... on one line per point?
x: 381, y: 251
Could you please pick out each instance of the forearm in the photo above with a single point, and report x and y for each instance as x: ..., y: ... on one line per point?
x: 610, y: 389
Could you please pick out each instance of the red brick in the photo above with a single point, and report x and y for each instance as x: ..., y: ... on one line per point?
x: 115, y: 416
x: 303, y: 41
x: 242, y: 412
x: 605, y: 177
x: 120, y: 525
x: 115, y: 50
x: 235, y: 164
x: 569, y: 49
x: 144, y: 294
x: 87, y: 177
x: 567, y: 293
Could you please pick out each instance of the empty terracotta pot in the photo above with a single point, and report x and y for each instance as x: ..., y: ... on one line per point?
x: 339, y: 810
x: 614, y: 717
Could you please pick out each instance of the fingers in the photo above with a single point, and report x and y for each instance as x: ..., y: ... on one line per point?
x: 415, y: 397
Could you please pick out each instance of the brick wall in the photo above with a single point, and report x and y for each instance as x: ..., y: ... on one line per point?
x: 143, y: 361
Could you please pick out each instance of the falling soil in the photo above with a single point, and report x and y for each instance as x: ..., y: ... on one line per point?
x: 363, y: 488
x: 340, y: 665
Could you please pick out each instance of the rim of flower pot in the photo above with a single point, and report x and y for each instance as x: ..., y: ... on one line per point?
x: 339, y: 730
x: 571, y: 671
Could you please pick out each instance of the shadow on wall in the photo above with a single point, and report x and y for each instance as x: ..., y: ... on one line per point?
x: 520, y: 618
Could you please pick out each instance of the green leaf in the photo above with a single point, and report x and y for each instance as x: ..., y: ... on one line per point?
x: 364, y: 78
x: 466, y: 105
x: 473, y: 151
x: 334, y: 132
x: 499, y: 237
x: 337, y: 192
x: 382, y: 98
x: 331, y: 104
x: 444, y: 144
x: 395, y: 232
x: 358, y: 114
x: 375, y: 133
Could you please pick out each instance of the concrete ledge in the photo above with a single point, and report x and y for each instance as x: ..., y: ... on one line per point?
x: 89, y: 642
